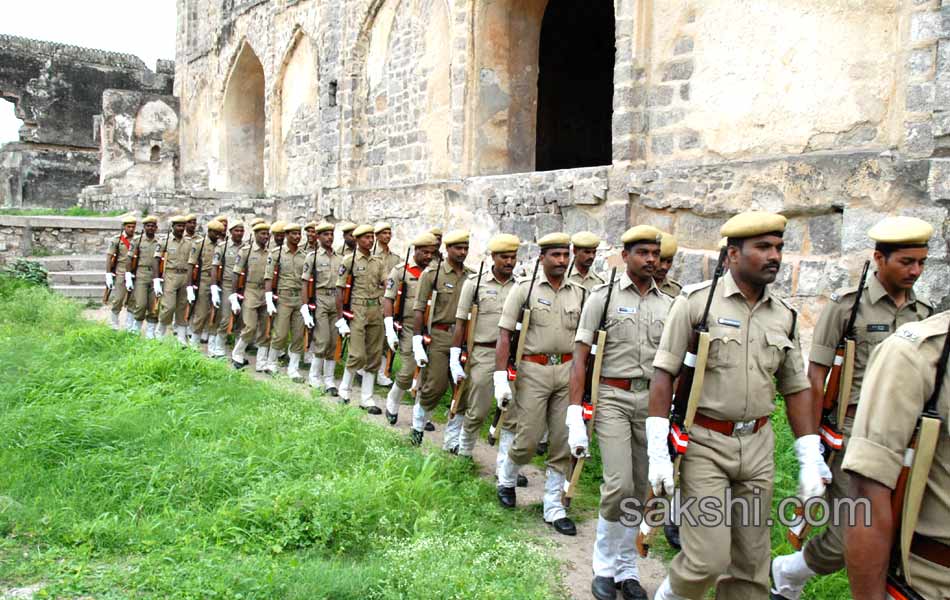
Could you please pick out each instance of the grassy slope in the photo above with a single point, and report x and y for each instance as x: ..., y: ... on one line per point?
x: 139, y: 469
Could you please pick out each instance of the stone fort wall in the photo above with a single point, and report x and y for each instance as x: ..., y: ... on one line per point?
x: 834, y: 112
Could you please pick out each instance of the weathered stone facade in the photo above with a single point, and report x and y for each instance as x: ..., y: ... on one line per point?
x: 57, y: 91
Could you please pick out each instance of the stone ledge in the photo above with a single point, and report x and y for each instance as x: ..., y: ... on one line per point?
x: 61, y: 222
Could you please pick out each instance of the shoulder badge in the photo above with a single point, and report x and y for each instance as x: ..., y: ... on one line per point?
x: 342, y: 269
x: 839, y: 295
x: 689, y: 290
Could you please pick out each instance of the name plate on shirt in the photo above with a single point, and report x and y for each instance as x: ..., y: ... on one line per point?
x: 544, y: 302
x: 729, y: 322
x: 449, y: 286
x: 879, y: 328
x: 627, y: 310
x: 491, y: 292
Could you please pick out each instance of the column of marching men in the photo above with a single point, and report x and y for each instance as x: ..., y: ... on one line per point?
x: 652, y: 368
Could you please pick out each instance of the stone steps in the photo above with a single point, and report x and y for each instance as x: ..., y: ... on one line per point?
x: 72, y: 263
x: 79, y: 276
x: 79, y: 291
x: 95, y: 278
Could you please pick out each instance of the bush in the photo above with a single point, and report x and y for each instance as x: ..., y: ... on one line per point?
x: 31, y: 272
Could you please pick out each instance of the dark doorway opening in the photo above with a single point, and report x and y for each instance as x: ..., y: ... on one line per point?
x: 575, y: 85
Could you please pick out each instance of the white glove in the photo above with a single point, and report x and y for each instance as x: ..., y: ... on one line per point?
x: 455, y: 364
x: 418, y: 352
x: 157, y: 286
x: 235, y: 303
x: 129, y: 281
x: 269, y: 299
x: 216, y: 296
x: 307, y: 317
x: 811, y: 480
x: 392, y: 338
x: 576, y: 430
x: 190, y: 291
x: 660, y: 472
x: 502, y: 389
x: 342, y: 327
x: 110, y: 280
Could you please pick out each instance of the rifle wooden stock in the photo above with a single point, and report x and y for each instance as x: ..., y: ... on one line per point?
x: 113, y: 262
x: 460, y: 387
x: 577, y: 463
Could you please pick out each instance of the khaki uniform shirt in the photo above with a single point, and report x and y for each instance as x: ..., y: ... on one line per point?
x: 146, y: 256
x: 176, y: 257
x: 588, y: 282
x: 450, y: 284
x: 634, y: 326
x: 900, y: 380
x: 554, y: 315
x: 491, y: 300
x: 368, y: 277
x: 117, y: 248
x: 749, y: 346
x: 328, y: 268
x: 394, y: 281
x: 390, y: 260
x: 289, y: 275
x: 206, y: 248
x: 226, y: 258
x: 671, y: 287
x: 877, y: 319
x: 253, y: 262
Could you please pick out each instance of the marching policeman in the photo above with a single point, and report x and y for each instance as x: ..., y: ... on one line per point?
x: 225, y: 257
x: 668, y: 249
x: 287, y: 263
x: 117, y: 259
x: 886, y: 302
x: 540, y: 398
x: 328, y: 268
x: 348, y: 246
x: 634, y: 324
x: 753, y: 343
x: 384, y: 235
x: 170, y: 287
x: 446, y: 280
x: 585, y: 252
x: 199, y: 292
x: 907, y: 378
x: 366, y: 328
x: 492, y: 289
x: 247, y: 300
x: 423, y: 249
x: 139, y: 283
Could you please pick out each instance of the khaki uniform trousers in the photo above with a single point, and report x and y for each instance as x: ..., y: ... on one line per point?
x: 540, y: 402
x: 120, y: 297
x: 824, y: 553
x: 174, y: 298
x: 366, y: 330
x: 929, y: 580
x: 480, y: 393
x: 435, y: 377
x: 224, y: 314
x: 620, y: 424
x: 324, y: 338
x: 739, y: 555
x: 407, y: 362
x: 201, y: 311
x: 144, y: 300
x: 288, y: 323
x: 254, y: 316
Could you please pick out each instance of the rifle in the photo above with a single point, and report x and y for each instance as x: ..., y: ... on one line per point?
x: 239, y: 286
x: 399, y: 308
x: 163, y: 258
x: 220, y: 278
x: 908, y: 494
x: 274, y: 288
x: 835, y: 402
x: 427, y: 323
x: 688, y: 390
x: 468, y: 336
x: 134, y: 266
x: 347, y: 306
x: 196, y: 278
x: 113, y: 264
x: 311, y: 301
x: 591, y: 394
x: 516, y: 340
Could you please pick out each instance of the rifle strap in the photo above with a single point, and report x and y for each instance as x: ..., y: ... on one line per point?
x: 125, y: 241
x: 415, y: 271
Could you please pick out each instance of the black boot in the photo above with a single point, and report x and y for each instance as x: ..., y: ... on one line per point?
x: 392, y: 418
x: 415, y: 437
x: 332, y: 391
x: 542, y: 449
x: 506, y: 496
x: 238, y: 365
x: 564, y: 526
x: 603, y: 588
x: 522, y: 480
x: 672, y: 533
x: 630, y: 589
x: 429, y: 426
x: 373, y: 410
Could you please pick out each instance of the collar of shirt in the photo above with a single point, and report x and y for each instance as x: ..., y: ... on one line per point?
x: 876, y: 291
x: 731, y: 288
x: 324, y: 252
x: 626, y: 282
x: 491, y: 277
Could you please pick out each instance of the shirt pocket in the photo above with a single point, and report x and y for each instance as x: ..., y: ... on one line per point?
x: 654, y: 330
x: 570, y: 318
x: 541, y: 316
x: 725, y: 348
x: 489, y: 305
x: 777, y: 344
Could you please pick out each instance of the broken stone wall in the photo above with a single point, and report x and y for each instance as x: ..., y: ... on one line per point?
x: 57, y: 92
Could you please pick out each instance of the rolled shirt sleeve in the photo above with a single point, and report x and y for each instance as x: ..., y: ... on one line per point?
x: 466, y: 296
x: 590, y: 317
x: 827, y: 335
x: 512, y: 309
x: 675, y: 339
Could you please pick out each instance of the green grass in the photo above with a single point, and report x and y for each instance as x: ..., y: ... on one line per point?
x: 139, y: 469
x: 73, y: 211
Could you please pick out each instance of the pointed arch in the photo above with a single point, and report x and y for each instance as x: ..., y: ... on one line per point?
x: 296, y: 120
x: 242, y: 124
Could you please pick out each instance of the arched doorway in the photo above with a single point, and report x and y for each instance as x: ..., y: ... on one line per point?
x: 575, y: 85
x: 242, y: 118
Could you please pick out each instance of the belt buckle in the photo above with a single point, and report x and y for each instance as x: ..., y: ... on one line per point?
x: 638, y: 384
x: 743, y: 428
x: 554, y: 359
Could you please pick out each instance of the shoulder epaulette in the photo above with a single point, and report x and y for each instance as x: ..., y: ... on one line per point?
x: 689, y: 290
x: 839, y: 295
